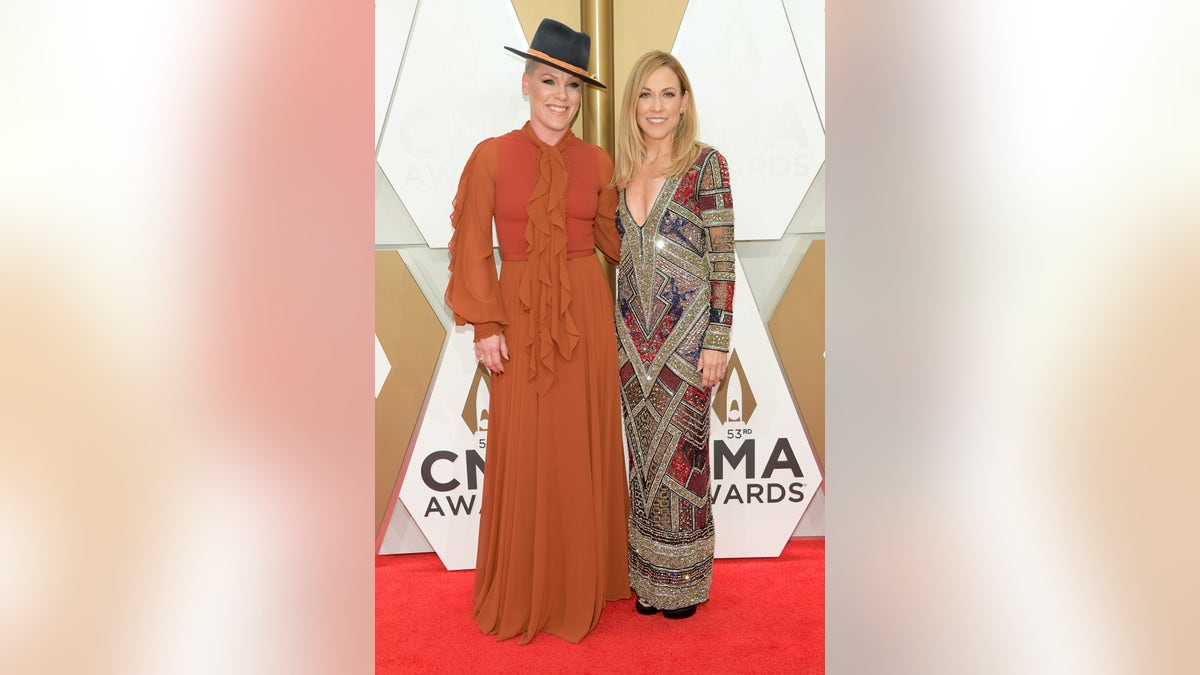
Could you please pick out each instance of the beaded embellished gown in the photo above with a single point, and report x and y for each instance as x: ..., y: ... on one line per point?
x: 674, y: 297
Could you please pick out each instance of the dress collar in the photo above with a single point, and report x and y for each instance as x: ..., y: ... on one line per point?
x: 532, y: 135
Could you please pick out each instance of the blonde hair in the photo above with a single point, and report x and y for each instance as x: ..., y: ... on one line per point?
x: 631, y: 148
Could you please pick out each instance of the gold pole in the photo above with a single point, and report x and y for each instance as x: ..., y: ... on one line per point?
x: 598, y: 122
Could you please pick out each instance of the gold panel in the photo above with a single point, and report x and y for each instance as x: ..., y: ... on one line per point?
x: 798, y: 330
x: 531, y: 12
x: 412, y: 336
x: 638, y: 27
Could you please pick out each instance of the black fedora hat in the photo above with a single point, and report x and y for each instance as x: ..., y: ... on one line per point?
x: 556, y: 44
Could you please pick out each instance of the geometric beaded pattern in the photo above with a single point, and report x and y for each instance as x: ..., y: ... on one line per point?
x: 674, y: 297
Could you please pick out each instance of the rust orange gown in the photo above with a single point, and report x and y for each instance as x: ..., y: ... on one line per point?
x: 552, y: 532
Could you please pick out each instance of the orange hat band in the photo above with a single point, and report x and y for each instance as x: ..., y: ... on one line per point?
x: 561, y: 64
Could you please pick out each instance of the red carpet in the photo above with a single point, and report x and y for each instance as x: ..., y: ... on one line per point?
x: 764, y: 615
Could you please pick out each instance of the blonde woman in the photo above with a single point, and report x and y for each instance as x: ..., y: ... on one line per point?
x: 674, y: 314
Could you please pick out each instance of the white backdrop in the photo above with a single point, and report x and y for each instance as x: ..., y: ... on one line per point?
x: 757, y: 69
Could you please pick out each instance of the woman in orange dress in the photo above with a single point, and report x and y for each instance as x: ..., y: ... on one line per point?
x: 552, y: 533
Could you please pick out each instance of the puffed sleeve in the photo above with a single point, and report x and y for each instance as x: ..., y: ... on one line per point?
x: 716, y: 211
x: 605, y: 232
x: 473, y: 292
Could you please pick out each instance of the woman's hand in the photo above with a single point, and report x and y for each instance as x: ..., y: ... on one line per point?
x: 489, y: 351
x: 711, y: 367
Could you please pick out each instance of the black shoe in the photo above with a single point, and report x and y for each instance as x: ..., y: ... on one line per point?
x: 644, y: 609
x: 681, y: 613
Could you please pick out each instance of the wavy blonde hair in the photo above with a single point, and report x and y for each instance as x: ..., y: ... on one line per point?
x: 631, y: 148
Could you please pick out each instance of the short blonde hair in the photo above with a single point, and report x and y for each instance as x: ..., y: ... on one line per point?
x: 631, y: 148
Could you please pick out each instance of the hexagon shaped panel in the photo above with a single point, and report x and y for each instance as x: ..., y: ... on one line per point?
x: 761, y: 118
x: 764, y: 473
x: 443, y: 486
x: 457, y: 87
x: 807, y: 19
x: 393, y: 18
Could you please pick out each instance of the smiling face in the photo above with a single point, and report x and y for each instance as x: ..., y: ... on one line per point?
x: 659, y: 105
x: 554, y: 97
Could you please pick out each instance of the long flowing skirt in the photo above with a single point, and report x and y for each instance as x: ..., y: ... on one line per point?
x: 552, y: 535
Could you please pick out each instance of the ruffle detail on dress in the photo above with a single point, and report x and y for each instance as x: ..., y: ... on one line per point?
x: 545, y: 293
x: 473, y: 291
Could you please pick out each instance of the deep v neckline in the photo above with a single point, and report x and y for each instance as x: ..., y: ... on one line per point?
x: 650, y: 210
x: 644, y: 239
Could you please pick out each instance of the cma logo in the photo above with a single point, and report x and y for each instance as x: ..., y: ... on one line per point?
x: 734, y: 401
x: 775, y: 481
x: 759, y: 484
x: 475, y: 417
x: 475, y: 408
